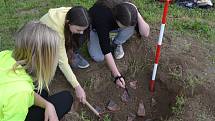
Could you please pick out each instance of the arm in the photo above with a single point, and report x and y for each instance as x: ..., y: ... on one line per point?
x: 143, y: 26
x: 50, y: 113
x: 65, y: 67
x: 68, y: 73
x: 103, y: 28
x: 112, y: 66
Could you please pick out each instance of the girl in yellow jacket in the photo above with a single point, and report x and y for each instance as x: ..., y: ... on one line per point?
x: 71, y: 25
x: 32, y: 62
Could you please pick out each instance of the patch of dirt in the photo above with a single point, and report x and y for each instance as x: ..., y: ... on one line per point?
x: 184, y: 69
x: 27, y: 11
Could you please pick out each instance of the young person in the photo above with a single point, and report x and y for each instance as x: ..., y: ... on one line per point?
x: 113, y: 16
x: 31, y: 65
x: 72, y: 27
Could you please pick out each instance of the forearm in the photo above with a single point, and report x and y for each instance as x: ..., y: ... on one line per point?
x: 68, y: 73
x: 143, y: 26
x: 112, y: 65
x: 40, y: 101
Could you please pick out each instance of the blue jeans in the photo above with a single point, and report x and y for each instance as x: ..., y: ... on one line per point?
x: 94, y: 47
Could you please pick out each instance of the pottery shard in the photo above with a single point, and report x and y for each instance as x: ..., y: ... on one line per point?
x: 153, y: 102
x: 112, y: 106
x: 125, y: 97
x: 133, y: 84
x: 141, y: 110
x: 131, y: 117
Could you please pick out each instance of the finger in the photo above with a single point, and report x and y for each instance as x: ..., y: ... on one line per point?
x: 119, y: 83
x: 79, y: 98
x: 83, y: 100
x: 46, y: 118
x: 123, y: 83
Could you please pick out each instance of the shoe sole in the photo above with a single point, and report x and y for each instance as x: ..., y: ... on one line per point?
x: 120, y: 57
x: 82, y: 67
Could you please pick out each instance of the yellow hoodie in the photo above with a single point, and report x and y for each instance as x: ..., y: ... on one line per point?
x: 55, y: 19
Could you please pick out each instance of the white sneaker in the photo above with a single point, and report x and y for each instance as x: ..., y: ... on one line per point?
x: 118, y: 52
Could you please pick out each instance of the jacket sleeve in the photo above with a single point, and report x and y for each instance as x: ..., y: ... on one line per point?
x: 64, y: 64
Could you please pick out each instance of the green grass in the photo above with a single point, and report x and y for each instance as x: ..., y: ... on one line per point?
x: 197, y: 23
x: 107, y: 118
x: 84, y: 116
x: 177, y: 109
x: 15, y: 13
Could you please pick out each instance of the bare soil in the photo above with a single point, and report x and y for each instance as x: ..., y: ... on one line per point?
x: 184, y: 70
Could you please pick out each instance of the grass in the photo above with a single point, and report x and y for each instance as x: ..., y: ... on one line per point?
x: 192, y: 81
x: 107, y: 118
x: 197, y: 23
x: 175, y: 72
x: 177, y: 109
x: 84, y: 116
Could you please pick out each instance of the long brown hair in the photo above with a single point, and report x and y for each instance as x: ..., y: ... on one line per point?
x: 110, y: 3
x: 76, y: 16
x: 123, y: 12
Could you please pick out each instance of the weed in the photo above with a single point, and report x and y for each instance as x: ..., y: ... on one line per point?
x: 107, y: 118
x: 84, y: 116
x: 176, y: 72
x: 177, y: 109
x: 191, y: 82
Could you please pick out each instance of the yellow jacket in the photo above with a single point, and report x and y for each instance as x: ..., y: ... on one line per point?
x: 16, y: 90
x: 55, y: 19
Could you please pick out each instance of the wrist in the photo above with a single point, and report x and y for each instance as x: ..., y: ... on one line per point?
x: 47, y: 104
x: 117, y: 78
x: 78, y: 87
x: 116, y: 74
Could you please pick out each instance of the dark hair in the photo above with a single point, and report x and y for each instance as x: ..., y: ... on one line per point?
x: 126, y: 14
x: 110, y: 3
x: 76, y: 16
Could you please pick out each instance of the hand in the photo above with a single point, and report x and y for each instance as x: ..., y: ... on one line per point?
x: 80, y: 94
x: 50, y: 113
x: 120, y: 82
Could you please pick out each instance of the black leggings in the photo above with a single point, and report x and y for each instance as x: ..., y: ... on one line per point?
x: 62, y: 102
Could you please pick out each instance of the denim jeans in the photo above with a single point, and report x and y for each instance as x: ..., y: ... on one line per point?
x: 122, y: 35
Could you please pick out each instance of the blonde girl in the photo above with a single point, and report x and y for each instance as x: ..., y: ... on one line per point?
x: 30, y: 66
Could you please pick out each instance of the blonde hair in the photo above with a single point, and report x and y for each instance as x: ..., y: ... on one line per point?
x: 36, y: 50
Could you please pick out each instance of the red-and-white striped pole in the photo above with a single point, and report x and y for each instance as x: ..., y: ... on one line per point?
x: 158, y: 49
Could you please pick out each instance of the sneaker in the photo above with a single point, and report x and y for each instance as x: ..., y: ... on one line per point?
x: 118, y: 52
x: 79, y: 62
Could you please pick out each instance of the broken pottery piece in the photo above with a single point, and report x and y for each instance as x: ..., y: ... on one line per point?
x: 141, y: 110
x: 131, y: 117
x: 125, y: 97
x: 112, y: 106
x: 133, y: 84
x: 153, y: 102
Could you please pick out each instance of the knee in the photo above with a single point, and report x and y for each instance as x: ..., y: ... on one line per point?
x: 98, y: 59
x: 66, y: 95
